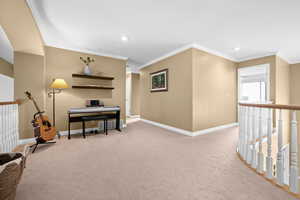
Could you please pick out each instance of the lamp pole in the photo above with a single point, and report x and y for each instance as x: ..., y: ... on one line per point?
x: 57, y: 85
x: 53, y: 93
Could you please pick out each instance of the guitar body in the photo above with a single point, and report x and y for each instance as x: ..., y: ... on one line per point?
x: 46, y: 131
x: 43, y: 129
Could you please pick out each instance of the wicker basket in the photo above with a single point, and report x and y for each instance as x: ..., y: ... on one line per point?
x: 11, y: 170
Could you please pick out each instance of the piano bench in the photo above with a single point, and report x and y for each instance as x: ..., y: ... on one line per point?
x: 94, y: 118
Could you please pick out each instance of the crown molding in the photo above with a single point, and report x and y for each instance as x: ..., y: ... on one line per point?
x: 172, y: 53
x: 184, y: 48
x: 257, y: 56
x: 214, y: 52
x: 90, y: 52
x: 278, y: 54
x: 295, y: 62
x: 290, y: 61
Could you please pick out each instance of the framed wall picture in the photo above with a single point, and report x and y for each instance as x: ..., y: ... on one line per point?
x: 159, y: 81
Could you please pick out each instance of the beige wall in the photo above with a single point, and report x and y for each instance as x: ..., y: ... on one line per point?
x: 174, y: 107
x: 201, y: 95
x: 282, y: 81
x: 6, y: 68
x: 214, y: 90
x: 295, y: 84
x: 62, y: 63
x: 20, y: 27
x: 29, y: 73
x: 283, y: 93
x: 135, y: 94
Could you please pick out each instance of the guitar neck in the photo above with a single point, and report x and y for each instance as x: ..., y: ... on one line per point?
x: 37, y: 108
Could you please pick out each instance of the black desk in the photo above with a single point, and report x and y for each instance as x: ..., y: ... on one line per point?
x: 76, y: 114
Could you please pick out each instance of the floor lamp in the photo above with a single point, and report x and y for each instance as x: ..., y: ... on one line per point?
x: 57, y: 85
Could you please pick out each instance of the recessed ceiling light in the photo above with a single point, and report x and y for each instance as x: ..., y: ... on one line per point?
x: 124, y: 38
x: 237, y: 49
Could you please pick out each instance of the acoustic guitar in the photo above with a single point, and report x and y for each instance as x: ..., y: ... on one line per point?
x: 43, y: 128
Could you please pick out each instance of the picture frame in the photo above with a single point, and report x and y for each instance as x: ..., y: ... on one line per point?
x: 159, y: 81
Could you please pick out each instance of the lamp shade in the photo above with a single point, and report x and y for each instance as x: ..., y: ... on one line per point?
x: 59, y: 84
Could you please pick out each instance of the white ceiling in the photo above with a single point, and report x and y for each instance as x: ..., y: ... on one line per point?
x: 6, y: 50
x: 156, y: 27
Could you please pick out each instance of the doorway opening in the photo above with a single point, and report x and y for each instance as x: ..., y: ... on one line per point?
x: 254, y: 84
x: 6, y: 88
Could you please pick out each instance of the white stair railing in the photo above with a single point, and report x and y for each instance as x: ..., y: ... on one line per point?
x: 256, y: 122
x: 9, y: 126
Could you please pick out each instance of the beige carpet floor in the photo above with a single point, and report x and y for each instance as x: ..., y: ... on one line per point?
x: 144, y: 163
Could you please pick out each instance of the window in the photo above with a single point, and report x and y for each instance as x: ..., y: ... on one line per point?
x: 253, y: 91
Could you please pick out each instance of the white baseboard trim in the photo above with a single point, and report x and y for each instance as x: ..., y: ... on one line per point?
x: 171, y: 128
x: 135, y: 116
x: 190, y: 133
x: 76, y: 131
x: 62, y: 133
x: 213, y: 129
x: 26, y: 141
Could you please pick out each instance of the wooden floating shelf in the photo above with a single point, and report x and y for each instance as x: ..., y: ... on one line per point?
x: 92, y: 76
x: 93, y: 87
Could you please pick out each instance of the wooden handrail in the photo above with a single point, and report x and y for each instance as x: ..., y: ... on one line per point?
x: 275, y: 106
x: 10, y: 102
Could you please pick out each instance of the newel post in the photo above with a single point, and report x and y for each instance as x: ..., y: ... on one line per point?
x: 294, y: 155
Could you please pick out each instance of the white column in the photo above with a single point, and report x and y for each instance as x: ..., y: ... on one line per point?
x: 254, y: 131
x: 240, y: 129
x: 249, y: 131
x: 294, y: 155
x: 245, y: 139
x: 243, y: 131
x: 279, y: 163
x: 260, y: 155
x: 269, y: 160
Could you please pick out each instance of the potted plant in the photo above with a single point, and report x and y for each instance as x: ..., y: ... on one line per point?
x: 87, y: 61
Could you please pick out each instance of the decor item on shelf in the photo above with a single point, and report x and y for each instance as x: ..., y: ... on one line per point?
x: 57, y: 85
x: 159, y: 81
x: 87, y: 61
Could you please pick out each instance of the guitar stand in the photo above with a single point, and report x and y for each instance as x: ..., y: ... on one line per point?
x: 40, y: 141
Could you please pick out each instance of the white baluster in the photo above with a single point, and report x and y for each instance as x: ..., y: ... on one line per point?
x: 269, y: 159
x: 254, y: 130
x: 260, y: 155
x: 294, y: 155
x: 279, y: 163
x: 249, y: 130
